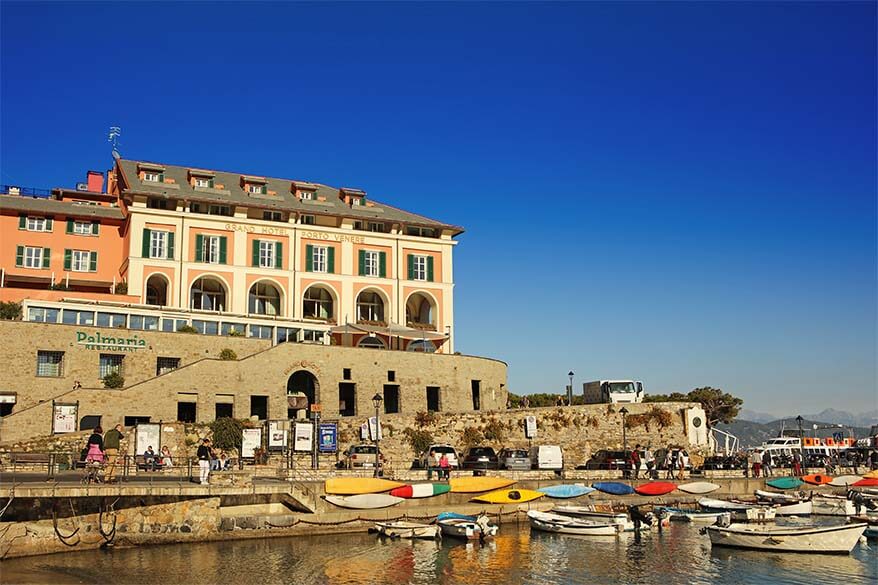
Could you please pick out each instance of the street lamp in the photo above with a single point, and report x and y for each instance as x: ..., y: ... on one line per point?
x: 624, y: 413
x: 570, y: 389
x: 799, y: 420
x: 377, y: 400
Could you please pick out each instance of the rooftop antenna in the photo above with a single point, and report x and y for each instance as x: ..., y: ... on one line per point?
x: 115, y: 133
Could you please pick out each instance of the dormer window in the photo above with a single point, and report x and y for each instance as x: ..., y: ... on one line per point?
x: 256, y: 189
x: 307, y: 195
x: 152, y: 177
x: 203, y: 182
x: 357, y: 201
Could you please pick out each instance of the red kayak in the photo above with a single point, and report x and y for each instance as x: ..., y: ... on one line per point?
x: 656, y: 488
x: 817, y: 479
x: 867, y: 482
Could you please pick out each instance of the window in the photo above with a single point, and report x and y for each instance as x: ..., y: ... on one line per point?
x: 287, y: 334
x: 210, y: 249
x: 375, y: 226
x: 172, y: 325
x: 158, y: 244
x: 370, y: 308
x: 208, y: 295
x: 163, y: 365
x: 373, y: 263
x: 357, y: 201
x: 110, y: 320
x: 186, y: 411
x: 210, y: 209
x: 69, y: 317
x: 318, y: 303
x: 264, y: 299
x: 80, y: 202
x: 42, y: 315
x: 224, y: 409
x: 144, y: 322
x: 259, y: 407
x: 152, y: 177
x: 307, y: 196
x: 38, y: 224
x: 256, y: 189
x: 371, y: 342
x: 312, y: 336
x: 80, y: 260
x: 33, y: 257
x: 419, y: 267
x: 232, y: 328
x: 206, y: 327
x: 419, y: 231
x: 267, y: 253
x: 203, y: 182
x: 346, y: 373
x: 49, y: 363
x: 422, y: 345
x: 308, y: 219
x: 110, y: 363
x: 273, y: 216
x: 156, y: 203
x: 261, y: 331
x: 82, y: 228
x: 318, y: 259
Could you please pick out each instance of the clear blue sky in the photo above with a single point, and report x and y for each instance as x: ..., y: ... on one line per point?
x: 679, y: 193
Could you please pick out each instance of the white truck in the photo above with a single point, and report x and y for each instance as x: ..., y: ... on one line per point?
x: 612, y: 391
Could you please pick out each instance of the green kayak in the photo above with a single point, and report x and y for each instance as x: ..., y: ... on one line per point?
x: 784, y: 483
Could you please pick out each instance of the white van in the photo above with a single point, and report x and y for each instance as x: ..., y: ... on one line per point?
x: 547, y: 457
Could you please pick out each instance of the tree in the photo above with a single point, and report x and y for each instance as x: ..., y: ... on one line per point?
x: 719, y: 406
x: 10, y: 311
x: 114, y: 380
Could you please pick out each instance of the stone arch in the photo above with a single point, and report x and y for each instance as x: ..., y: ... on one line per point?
x: 156, y: 290
x: 209, y: 292
x: 320, y: 301
x: 421, y: 310
x: 303, y: 382
x: 372, y: 306
x: 265, y: 297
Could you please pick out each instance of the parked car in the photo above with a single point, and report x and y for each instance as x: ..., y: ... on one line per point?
x: 515, y: 459
x: 605, y: 459
x: 424, y: 460
x: 480, y: 458
x: 359, y: 456
x: 546, y: 457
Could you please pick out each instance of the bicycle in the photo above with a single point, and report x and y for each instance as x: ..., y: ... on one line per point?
x: 94, y: 472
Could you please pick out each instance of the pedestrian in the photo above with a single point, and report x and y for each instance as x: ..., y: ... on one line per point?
x: 873, y: 458
x: 525, y: 402
x: 683, y: 461
x: 756, y: 461
x: 95, y: 446
x: 797, y: 463
x: 431, y: 464
x: 635, y: 460
x: 149, y: 459
x: 767, y: 464
x: 445, y: 467
x: 203, y: 455
x: 112, y: 442
x: 669, y: 463
x: 649, y: 460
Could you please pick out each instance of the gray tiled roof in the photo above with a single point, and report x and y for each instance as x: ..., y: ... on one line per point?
x: 53, y: 206
x: 232, y: 192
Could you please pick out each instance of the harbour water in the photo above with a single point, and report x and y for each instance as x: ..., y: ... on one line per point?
x: 680, y: 555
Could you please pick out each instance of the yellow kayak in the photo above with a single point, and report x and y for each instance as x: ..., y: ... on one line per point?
x: 474, y: 485
x: 349, y: 486
x: 871, y: 474
x: 508, y: 496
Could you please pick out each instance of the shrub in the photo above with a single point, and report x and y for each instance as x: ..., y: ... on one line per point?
x: 235, y: 333
x: 114, y: 380
x: 471, y: 436
x: 186, y: 329
x: 494, y: 431
x: 418, y: 440
x: 227, y: 433
x: 228, y: 354
x: 10, y: 311
x: 425, y: 419
x: 58, y: 286
x: 121, y: 288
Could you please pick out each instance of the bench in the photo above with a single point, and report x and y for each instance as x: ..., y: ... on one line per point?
x: 29, y: 458
x: 141, y: 464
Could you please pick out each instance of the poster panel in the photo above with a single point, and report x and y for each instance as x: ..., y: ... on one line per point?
x: 147, y: 435
x: 364, y: 431
x: 304, y: 437
x: 250, y: 441
x: 328, y: 441
x: 64, y: 418
x: 530, y: 427
x: 277, y: 435
x: 374, y: 428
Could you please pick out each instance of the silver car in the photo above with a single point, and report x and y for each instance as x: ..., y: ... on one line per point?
x: 515, y: 459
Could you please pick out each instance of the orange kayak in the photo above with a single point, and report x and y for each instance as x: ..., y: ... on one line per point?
x: 817, y: 479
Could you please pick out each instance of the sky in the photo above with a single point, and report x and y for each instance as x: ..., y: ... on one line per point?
x: 678, y: 193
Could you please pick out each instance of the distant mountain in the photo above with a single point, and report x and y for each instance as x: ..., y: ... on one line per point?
x: 753, y: 416
x: 753, y: 434
x: 860, y: 419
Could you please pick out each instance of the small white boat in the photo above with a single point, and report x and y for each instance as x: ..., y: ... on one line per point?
x: 567, y: 525
x: 698, y: 487
x: 777, y: 497
x: 402, y: 529
x: 811, y: 539
x: 696, y: 515
x: 829, y: 505
x: 724, y: 505
x: 748, y: 511
x: 481, y: 528
x: 844, y: 480
x: 591, y: 514
x: 803, y: 508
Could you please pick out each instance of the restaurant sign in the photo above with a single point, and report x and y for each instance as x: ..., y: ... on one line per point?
x: 108, y: 342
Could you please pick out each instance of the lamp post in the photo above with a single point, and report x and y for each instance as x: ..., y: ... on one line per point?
x: 624, y: 413
x: 570, y: 389
x: 377, y: 400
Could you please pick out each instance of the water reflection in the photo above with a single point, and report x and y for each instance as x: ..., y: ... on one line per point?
x: 677, y: 556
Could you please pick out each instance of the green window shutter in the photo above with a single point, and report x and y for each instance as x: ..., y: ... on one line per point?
x: 255, y: 252
x: 161, y: 177
x: 382, y: 264
x: 309, y: 258
x: 47, y: 257
x: 330, y: 260
x: 199, y: 248
x: 210, y: 183
x: 19, y: 256
x: 22, y: 222
x: 93, y: 262
x: 69, y: 226
x: 145, y: 247
x: 264, y: 190
x: 48, y: 224
x: 222, y: 250
x: 170, y: 245
x: 68, y: 256
x: 95, y: 227
x: 362, y: 262
x: 429, y: 268
x: 411, y: 263
x: 278, y: 255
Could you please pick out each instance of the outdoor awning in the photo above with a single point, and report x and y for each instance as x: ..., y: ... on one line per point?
x: 297, y: 402
x: 393, y: 330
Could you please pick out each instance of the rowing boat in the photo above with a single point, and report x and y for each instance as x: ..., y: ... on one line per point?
x: 478, y: 529
x: 694, y: 515
x: 566, y: 525
x: 402, y: 529
x: 808, y: 539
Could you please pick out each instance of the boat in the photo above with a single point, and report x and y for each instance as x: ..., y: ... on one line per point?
x: 698, y: 487
x: 829, y: 505
x: 784, y: 483
x: 655, y: 488
x: 757, y: 514
x: 802, y: 508
x: 866, y: 482
x: 845, y: 480
x: 566, y: 490
x: 749, y: 511
x: 364, y: 501
x: 700, y: 516
x: 803, y: 539
x: 817, y: 479
x: 871, y: 474
x: 420, y: 490
x: 508, y: 497
x: 474, y: 484
x: 777, y: 497
x: 402, y: 529
x: 592, y: 514
x: 616, y: 488
x: 559, y: 524
x: 872, y: 528
x: 477, y: 529
x: 455, y: 516
x: 725, y: 505
x: 349, y: 486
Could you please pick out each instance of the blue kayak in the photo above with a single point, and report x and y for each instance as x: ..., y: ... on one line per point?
x: 566, y: 490
x: 454, y: 516
x: 613, y: 487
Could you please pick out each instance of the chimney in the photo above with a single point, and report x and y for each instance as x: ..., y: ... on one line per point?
x: 95, y: 182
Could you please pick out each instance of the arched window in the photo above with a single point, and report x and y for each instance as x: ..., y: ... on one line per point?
x: 370, y: 307
x: 157, y: 291
x: 264, y: 299
x: 371, y: 342
x: 419, y: 312
x: 422, y: 345
x: 318, y: 303
x: 207, y: 294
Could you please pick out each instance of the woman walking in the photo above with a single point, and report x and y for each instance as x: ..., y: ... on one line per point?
x: 96, y: 446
